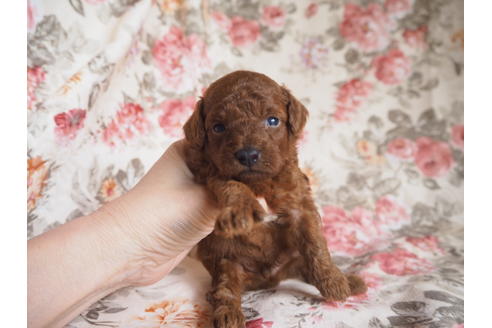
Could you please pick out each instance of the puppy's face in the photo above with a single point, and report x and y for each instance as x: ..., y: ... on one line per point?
x: 248, y: 126
x: 247, y: 138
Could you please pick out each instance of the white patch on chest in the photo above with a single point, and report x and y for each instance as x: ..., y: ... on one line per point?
x: 270, y: 215
x: 296, y: 214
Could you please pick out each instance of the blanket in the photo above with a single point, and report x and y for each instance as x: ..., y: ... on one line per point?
x: 111, y: 82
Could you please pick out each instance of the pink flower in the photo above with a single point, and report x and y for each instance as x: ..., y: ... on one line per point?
x: 33, y: 15
x: 243, y: 32
x: 390, y: 213
x: 110, y: 133
x: 31, y: 23
x: 393, y: 67
x: 427, y: 243
x: 35, y: 76
x: 458, y: 136
x: 175, y: 112
x: 416, y: 38
x: 401, y: 262
x: 273, y: 16
x: 311, y: 10
x: 180, y: 58
x: 372, y: 281
x: 349, y: 234
x: 129, y: 121
x: 402, y: 148
x: 350, y: 97
x: 258, y: 323
x: 67, y: 124
x: 461, y: 325
x: 398, y: 8
x: 222, y: 20
x: 130, y: 118
x: 361, y: 230
x: 368, y: 27
x: 433, y: 158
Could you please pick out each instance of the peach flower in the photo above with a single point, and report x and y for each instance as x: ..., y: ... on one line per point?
x: 37, y: 173
x: 109, y: 190
x: 174, y: 313
x: 170, y: 6
x: 368, y: 150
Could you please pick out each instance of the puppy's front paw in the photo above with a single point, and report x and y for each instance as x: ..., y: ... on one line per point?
x: 335, y: 288
x: 231, y: 318
x: 239, y: 218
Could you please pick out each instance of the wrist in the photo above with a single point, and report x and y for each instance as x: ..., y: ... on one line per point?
x: 71, y: 267
x: 111, y: 250
x: 136, y: 259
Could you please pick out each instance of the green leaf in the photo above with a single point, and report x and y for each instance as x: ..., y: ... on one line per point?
x: 115, y: 310
x: 399, y: 117
x: 386, y: 186
x: 431, y: 184
x: 77, y: 6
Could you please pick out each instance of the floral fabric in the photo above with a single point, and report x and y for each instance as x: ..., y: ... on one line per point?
x: 111, y: 82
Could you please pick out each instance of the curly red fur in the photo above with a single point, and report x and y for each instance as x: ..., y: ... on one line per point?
x: 244, y: 252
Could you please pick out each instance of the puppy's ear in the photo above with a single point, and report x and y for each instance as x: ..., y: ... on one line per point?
x: 194, y: 128
x: 297, y: 113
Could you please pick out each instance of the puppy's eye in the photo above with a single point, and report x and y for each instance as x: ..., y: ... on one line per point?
x: 272, y: 121
x: 218, y: 128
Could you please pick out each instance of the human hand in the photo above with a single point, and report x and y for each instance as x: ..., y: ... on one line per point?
x: 135, y: 239
x: 158, y: 221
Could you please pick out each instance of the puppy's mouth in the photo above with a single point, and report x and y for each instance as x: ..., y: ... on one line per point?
x: 251, y: 173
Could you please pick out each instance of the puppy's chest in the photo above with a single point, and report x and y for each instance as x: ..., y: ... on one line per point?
x: 261, y: 189
x: 269, y: 262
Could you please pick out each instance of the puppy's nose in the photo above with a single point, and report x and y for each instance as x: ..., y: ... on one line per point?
x: 247, y: 156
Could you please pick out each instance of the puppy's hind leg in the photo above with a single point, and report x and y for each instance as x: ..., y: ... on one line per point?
x: 225, y: 296
x: 319, y: 270
x: 303, y: 227
x: 357, y: 285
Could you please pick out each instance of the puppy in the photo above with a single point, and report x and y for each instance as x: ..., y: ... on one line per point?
x: 241, y: 144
